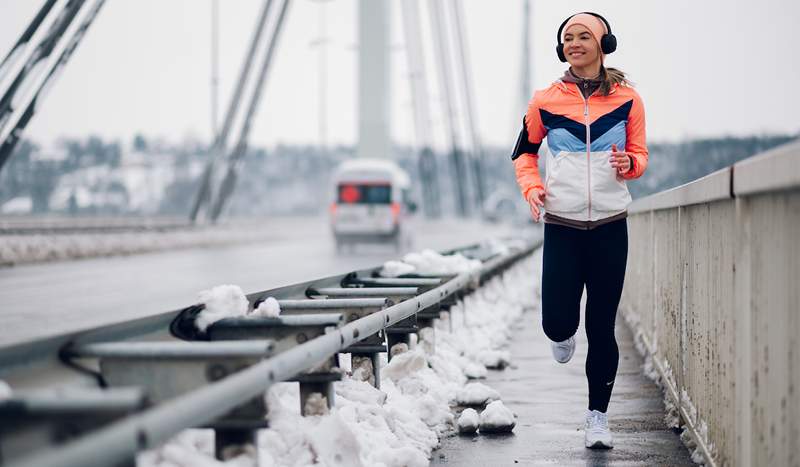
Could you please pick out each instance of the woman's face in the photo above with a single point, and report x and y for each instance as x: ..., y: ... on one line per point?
x: 580, y: 47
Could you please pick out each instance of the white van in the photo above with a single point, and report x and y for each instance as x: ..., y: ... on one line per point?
x: 371, y: 203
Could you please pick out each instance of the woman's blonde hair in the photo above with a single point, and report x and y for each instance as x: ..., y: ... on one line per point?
x: 610, y: 77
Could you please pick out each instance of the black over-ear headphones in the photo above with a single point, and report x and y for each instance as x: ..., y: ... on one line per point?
x: 608, y: 43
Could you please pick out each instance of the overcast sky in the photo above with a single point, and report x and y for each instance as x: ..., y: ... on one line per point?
x: 703, y: 68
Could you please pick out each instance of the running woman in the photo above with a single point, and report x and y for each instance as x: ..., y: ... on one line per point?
x: 594, y: 123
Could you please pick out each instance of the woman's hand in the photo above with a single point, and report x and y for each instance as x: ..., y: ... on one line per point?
x: 620, y: 160
x: 536, y: 201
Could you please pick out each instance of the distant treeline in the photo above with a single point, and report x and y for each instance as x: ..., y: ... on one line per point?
x: 150, y: 177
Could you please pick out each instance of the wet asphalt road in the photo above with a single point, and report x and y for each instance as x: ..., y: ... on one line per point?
x: 549, y: 400
x: 41, y: 300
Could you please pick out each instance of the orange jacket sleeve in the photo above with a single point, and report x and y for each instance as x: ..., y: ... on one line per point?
x: 635, y: 139
x: 526, y: 157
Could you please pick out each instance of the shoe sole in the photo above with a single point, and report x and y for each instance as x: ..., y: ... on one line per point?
x: 569, y: 357
x: 599, y: 445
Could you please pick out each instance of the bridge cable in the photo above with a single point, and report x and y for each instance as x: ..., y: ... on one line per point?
x: 235, y: 158
x: 43, y: 50
x: 218, y: 147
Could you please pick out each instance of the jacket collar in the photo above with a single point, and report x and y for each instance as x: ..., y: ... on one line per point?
x: 571, y: 88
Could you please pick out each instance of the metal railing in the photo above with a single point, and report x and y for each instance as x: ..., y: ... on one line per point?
x: 712, y: 293
x: 140, y: 382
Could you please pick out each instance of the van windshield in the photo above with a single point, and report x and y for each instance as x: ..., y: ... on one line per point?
x: 365, y: 193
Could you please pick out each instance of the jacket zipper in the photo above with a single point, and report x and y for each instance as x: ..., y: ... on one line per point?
x: 588, y: 148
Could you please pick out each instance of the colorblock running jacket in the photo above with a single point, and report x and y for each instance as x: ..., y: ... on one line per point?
x: 580, y: 182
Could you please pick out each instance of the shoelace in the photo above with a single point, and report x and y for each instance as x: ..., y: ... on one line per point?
x: 597, y: 421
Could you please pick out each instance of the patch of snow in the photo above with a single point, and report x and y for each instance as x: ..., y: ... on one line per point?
x: 496, y: 359
x: 469, y: 421
x: 334, y: 442
x: 433, y: 263
x: 396, y: 268
x: 476, y: 394
x: 497, y: 246
x: 363, y: 370
x: 316, y: 404
x: 269, y: 308
x: 193, y: 448
x: 403, y: 365
x: 400, y: 424
x: 398, y: 348
x: 222, y: 301
x: 360, y: 391
x: 497, y: 418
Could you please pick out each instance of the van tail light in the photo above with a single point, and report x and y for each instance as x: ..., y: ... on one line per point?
x: 395, y: 212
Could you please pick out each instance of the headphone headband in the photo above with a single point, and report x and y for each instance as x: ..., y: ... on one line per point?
x: 608, y: 43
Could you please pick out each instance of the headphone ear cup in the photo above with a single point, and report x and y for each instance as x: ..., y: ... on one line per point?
x: 560, y: 53
x: 608, y: 43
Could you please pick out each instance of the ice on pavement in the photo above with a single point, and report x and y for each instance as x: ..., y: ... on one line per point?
x: 269, y: 308
x: 469, y: 421
x: 476, y: 394
x: 496, y: 417
x: 430, y: 262
x: 222, y: 301
x: 401, y: 423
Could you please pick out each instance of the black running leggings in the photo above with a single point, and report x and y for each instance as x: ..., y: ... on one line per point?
x: 595, y: 258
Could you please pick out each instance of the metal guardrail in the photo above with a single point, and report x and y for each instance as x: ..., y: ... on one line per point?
x: 711, y: 293
x: 357, y: 313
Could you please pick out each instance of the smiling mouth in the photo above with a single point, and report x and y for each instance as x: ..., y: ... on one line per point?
x: 573, y: 54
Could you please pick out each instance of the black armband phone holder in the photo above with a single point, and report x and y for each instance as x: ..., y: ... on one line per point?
x: 524, y: 146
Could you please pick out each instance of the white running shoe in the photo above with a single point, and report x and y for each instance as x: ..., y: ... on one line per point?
x: 597, y: 435
x: 563, y: 351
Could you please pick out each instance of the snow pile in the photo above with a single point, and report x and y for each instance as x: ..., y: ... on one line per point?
x: 367, y: 427
x: 228, y: 301
x: 193, y: 448
x: 400, y: 424
x: 222, y: 301
x: 476, y: 394
x: 429, y: 262
x: 469, y: 421
x: 497, y: 418
x: 496, y: 359
x: 269, y: 308
x: 499, y: 247
x: 396, y: 269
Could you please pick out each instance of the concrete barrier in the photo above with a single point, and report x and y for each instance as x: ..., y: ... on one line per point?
x: 713, y: 293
